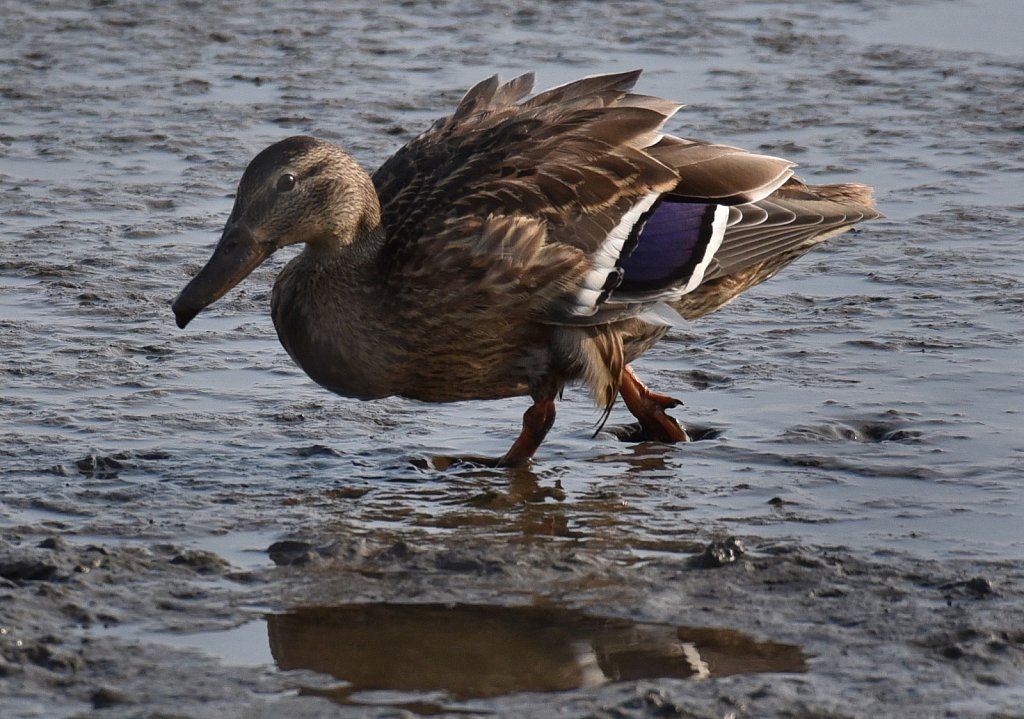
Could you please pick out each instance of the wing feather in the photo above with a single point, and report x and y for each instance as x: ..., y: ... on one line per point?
x: 551, y: 179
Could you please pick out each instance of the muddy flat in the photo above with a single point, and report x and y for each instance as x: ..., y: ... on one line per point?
x: 190, y: 527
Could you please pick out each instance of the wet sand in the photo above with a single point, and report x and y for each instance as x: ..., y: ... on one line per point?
x: 190, y: 527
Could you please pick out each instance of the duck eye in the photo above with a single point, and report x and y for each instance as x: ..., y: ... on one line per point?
x: 285, y: 182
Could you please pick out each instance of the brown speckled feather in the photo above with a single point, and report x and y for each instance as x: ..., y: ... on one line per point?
x: 564, y: 159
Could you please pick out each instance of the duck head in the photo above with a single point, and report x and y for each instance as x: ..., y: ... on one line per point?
x: 298, y: 190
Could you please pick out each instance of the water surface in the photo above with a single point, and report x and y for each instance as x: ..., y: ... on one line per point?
x: 874, y: 386
x: 869, y: 397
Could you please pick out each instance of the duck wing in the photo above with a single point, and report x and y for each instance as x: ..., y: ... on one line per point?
x: 576, y: 200
x: 516, y: 196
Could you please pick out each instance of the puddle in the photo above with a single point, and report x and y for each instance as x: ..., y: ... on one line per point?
x: 465, y: 651
x: 241, y: 646
x: 427, y: 658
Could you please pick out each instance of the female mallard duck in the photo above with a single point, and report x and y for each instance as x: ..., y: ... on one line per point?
x: 514, y: 247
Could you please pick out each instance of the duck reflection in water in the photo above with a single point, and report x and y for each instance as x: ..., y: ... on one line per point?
x: 478, y: 651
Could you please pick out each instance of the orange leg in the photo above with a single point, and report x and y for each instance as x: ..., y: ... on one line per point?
x: 649, y: 407
x: 536, y: 423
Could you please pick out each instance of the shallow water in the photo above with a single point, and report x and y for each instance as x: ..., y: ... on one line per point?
x: 868, y: 397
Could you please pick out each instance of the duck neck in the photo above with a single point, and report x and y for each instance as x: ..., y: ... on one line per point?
x: 353, y: 229
x: 329, y: 307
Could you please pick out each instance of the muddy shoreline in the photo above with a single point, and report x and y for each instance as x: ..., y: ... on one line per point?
x: 862, y: 625
x: 178, y: 509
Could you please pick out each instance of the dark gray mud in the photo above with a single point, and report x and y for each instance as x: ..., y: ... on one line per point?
x: 180, y: 512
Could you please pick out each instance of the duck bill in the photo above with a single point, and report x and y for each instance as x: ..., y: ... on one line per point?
x: 237, y: 254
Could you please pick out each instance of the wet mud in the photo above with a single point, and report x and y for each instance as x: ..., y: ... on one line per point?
x: 190, y: 528
x: 434, y: 625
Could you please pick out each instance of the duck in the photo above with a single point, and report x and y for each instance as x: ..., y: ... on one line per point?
x: 521, y: 244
